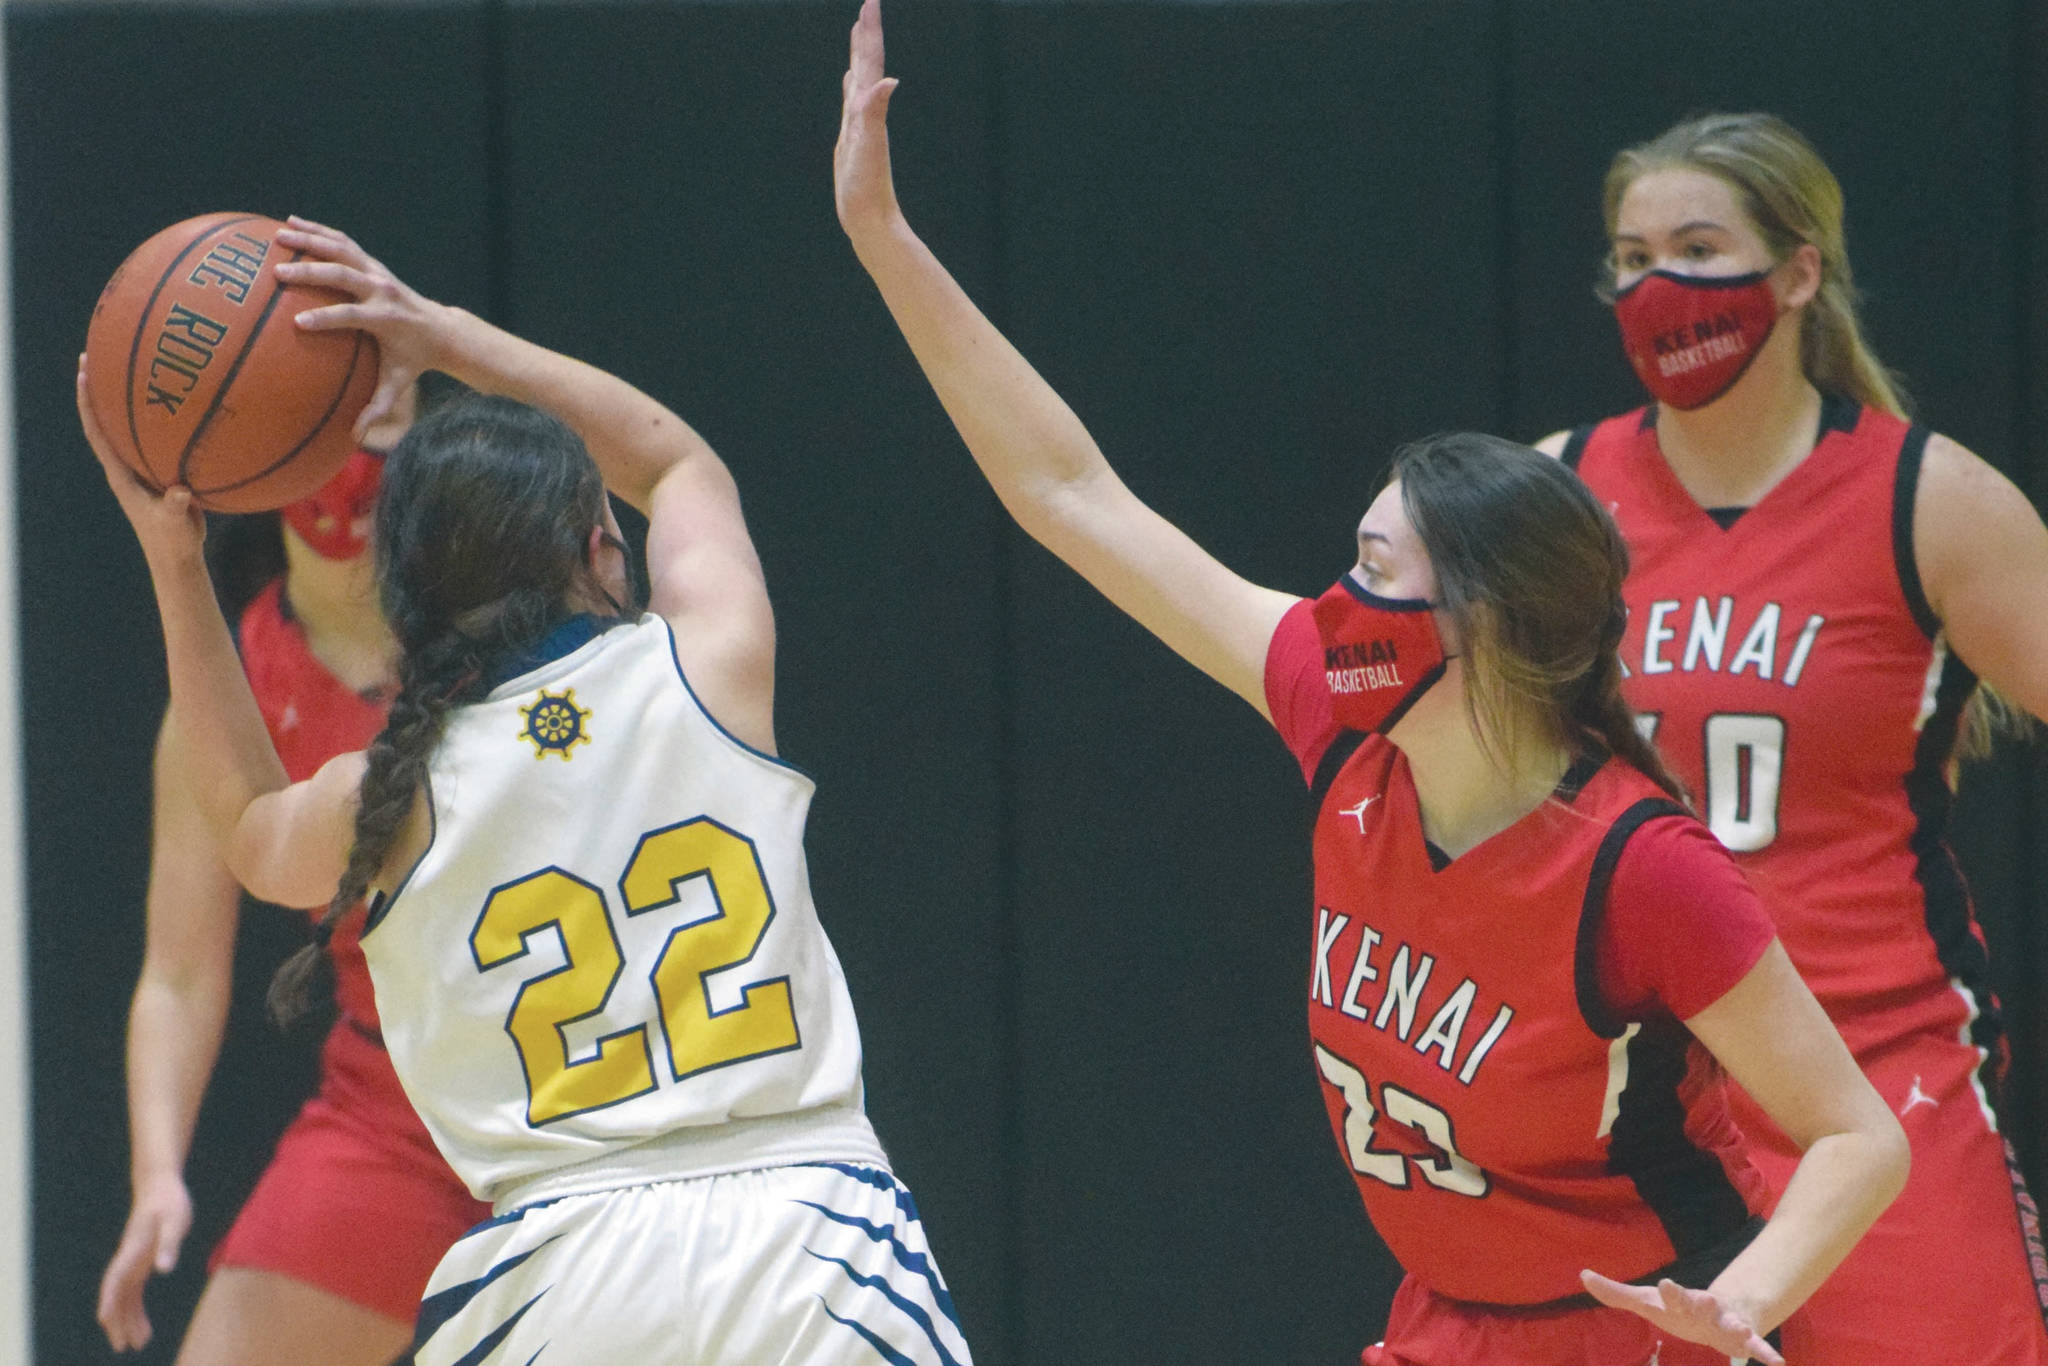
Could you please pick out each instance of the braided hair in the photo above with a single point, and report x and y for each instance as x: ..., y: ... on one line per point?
x: 481, y: 531
x: 1529, y: 567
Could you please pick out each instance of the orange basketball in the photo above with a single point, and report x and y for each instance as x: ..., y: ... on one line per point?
x: 198, y: 375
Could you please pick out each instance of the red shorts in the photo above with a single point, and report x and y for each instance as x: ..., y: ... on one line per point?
x: 355, y: 1164
x: 1425, y: 1329
x: 1952, y: 1271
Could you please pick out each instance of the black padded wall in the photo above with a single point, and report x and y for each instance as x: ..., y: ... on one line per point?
x: 1256, y: 246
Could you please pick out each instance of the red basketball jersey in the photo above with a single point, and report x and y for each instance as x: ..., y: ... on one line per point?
x: 312, y: 717
x: 1798, y: 683
x: 1505, y: 1130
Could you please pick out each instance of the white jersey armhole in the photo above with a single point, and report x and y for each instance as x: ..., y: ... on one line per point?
x: 761, y: 755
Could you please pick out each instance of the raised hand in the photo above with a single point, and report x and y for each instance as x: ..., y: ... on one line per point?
x: 408, y: 326
x: 1694, y: 1315
x: 157, y: 1225
x: 864, y: 188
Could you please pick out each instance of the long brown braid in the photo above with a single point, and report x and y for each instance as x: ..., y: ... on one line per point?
x: 481, y: 532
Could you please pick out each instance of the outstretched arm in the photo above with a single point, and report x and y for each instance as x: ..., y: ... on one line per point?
x: 1037, y: 456
x: 704, y: 575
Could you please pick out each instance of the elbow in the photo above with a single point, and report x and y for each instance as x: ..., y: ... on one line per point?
x: 1892, y: 1156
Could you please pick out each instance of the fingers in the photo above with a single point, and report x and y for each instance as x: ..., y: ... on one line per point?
x: 329, y: 275
x: 864, y: 63
x: 875, y: 101
x: 170, y: 1237
x: 120, y: 1312
x: 90, y: 420
x: 1759, y: 1350
x: 336, y: 317
x: 332, y: 244
x: 1618, y: 1294
x: 120, y: 478
x: 391, y: 387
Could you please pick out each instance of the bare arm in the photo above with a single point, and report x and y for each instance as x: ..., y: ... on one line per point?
x: 1777, y: 1043
x: 174, y: 1033
x: 705, y: 576
x: 285, y: 843
x: 1983, y: 559
x: 1035, y: 453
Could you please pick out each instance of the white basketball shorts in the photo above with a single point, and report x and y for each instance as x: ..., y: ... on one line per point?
x: 814, y: 1265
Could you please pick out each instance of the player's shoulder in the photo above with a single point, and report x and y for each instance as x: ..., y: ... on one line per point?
x: 1951, y: 474
x: 1570, y: 444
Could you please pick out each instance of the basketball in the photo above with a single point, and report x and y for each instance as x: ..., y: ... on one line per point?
x: 198, y: 375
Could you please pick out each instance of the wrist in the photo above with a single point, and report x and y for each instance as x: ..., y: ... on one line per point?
x: 445, y: 337
x: 155, y: 1175
x: 1752, y: 1306
x: 879, y: 232
x: 178, y: 564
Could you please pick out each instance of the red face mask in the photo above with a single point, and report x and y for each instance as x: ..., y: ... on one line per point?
x: 1690, y: 337
x: 1379, y: 654
x: 336, y: 520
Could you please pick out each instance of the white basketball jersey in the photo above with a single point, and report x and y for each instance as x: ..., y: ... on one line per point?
x: 609, y: 946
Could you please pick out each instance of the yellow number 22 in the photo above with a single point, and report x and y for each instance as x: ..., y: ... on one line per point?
x: 698, y: 1038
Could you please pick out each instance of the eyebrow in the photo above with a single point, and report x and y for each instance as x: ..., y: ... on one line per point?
x: 1694, y: 226
x: 1365, y: 536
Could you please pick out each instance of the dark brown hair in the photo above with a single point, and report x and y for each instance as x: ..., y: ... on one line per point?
x: 1529, y: 569
x: 482, y: 525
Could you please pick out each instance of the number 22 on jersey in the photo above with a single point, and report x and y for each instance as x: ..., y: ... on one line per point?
x: 695, y: 1037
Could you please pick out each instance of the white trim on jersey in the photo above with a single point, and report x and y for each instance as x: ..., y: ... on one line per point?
x: 1617, y: 1079
x: 1930, y: 690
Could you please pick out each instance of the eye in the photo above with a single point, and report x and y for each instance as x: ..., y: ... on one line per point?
x: 1700, y: 251
x: 1632, y: 259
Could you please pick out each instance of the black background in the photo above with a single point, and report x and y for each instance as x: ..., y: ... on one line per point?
x: 1256, y: 246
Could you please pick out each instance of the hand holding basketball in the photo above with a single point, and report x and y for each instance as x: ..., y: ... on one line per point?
x: 407, y: 325
x: 199, y: 377
x: 170, y: 524
x: 1694, y: 1315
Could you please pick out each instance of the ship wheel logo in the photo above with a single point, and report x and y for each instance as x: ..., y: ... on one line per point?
x: 555, y: 724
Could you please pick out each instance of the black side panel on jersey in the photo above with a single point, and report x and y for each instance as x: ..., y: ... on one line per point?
x: 1593, y: 910
x: 1945, y: 896
x: 1575, y: 446
x: 1332, y: 763
x: 1684, y: 1186
x: 1905, y: 484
